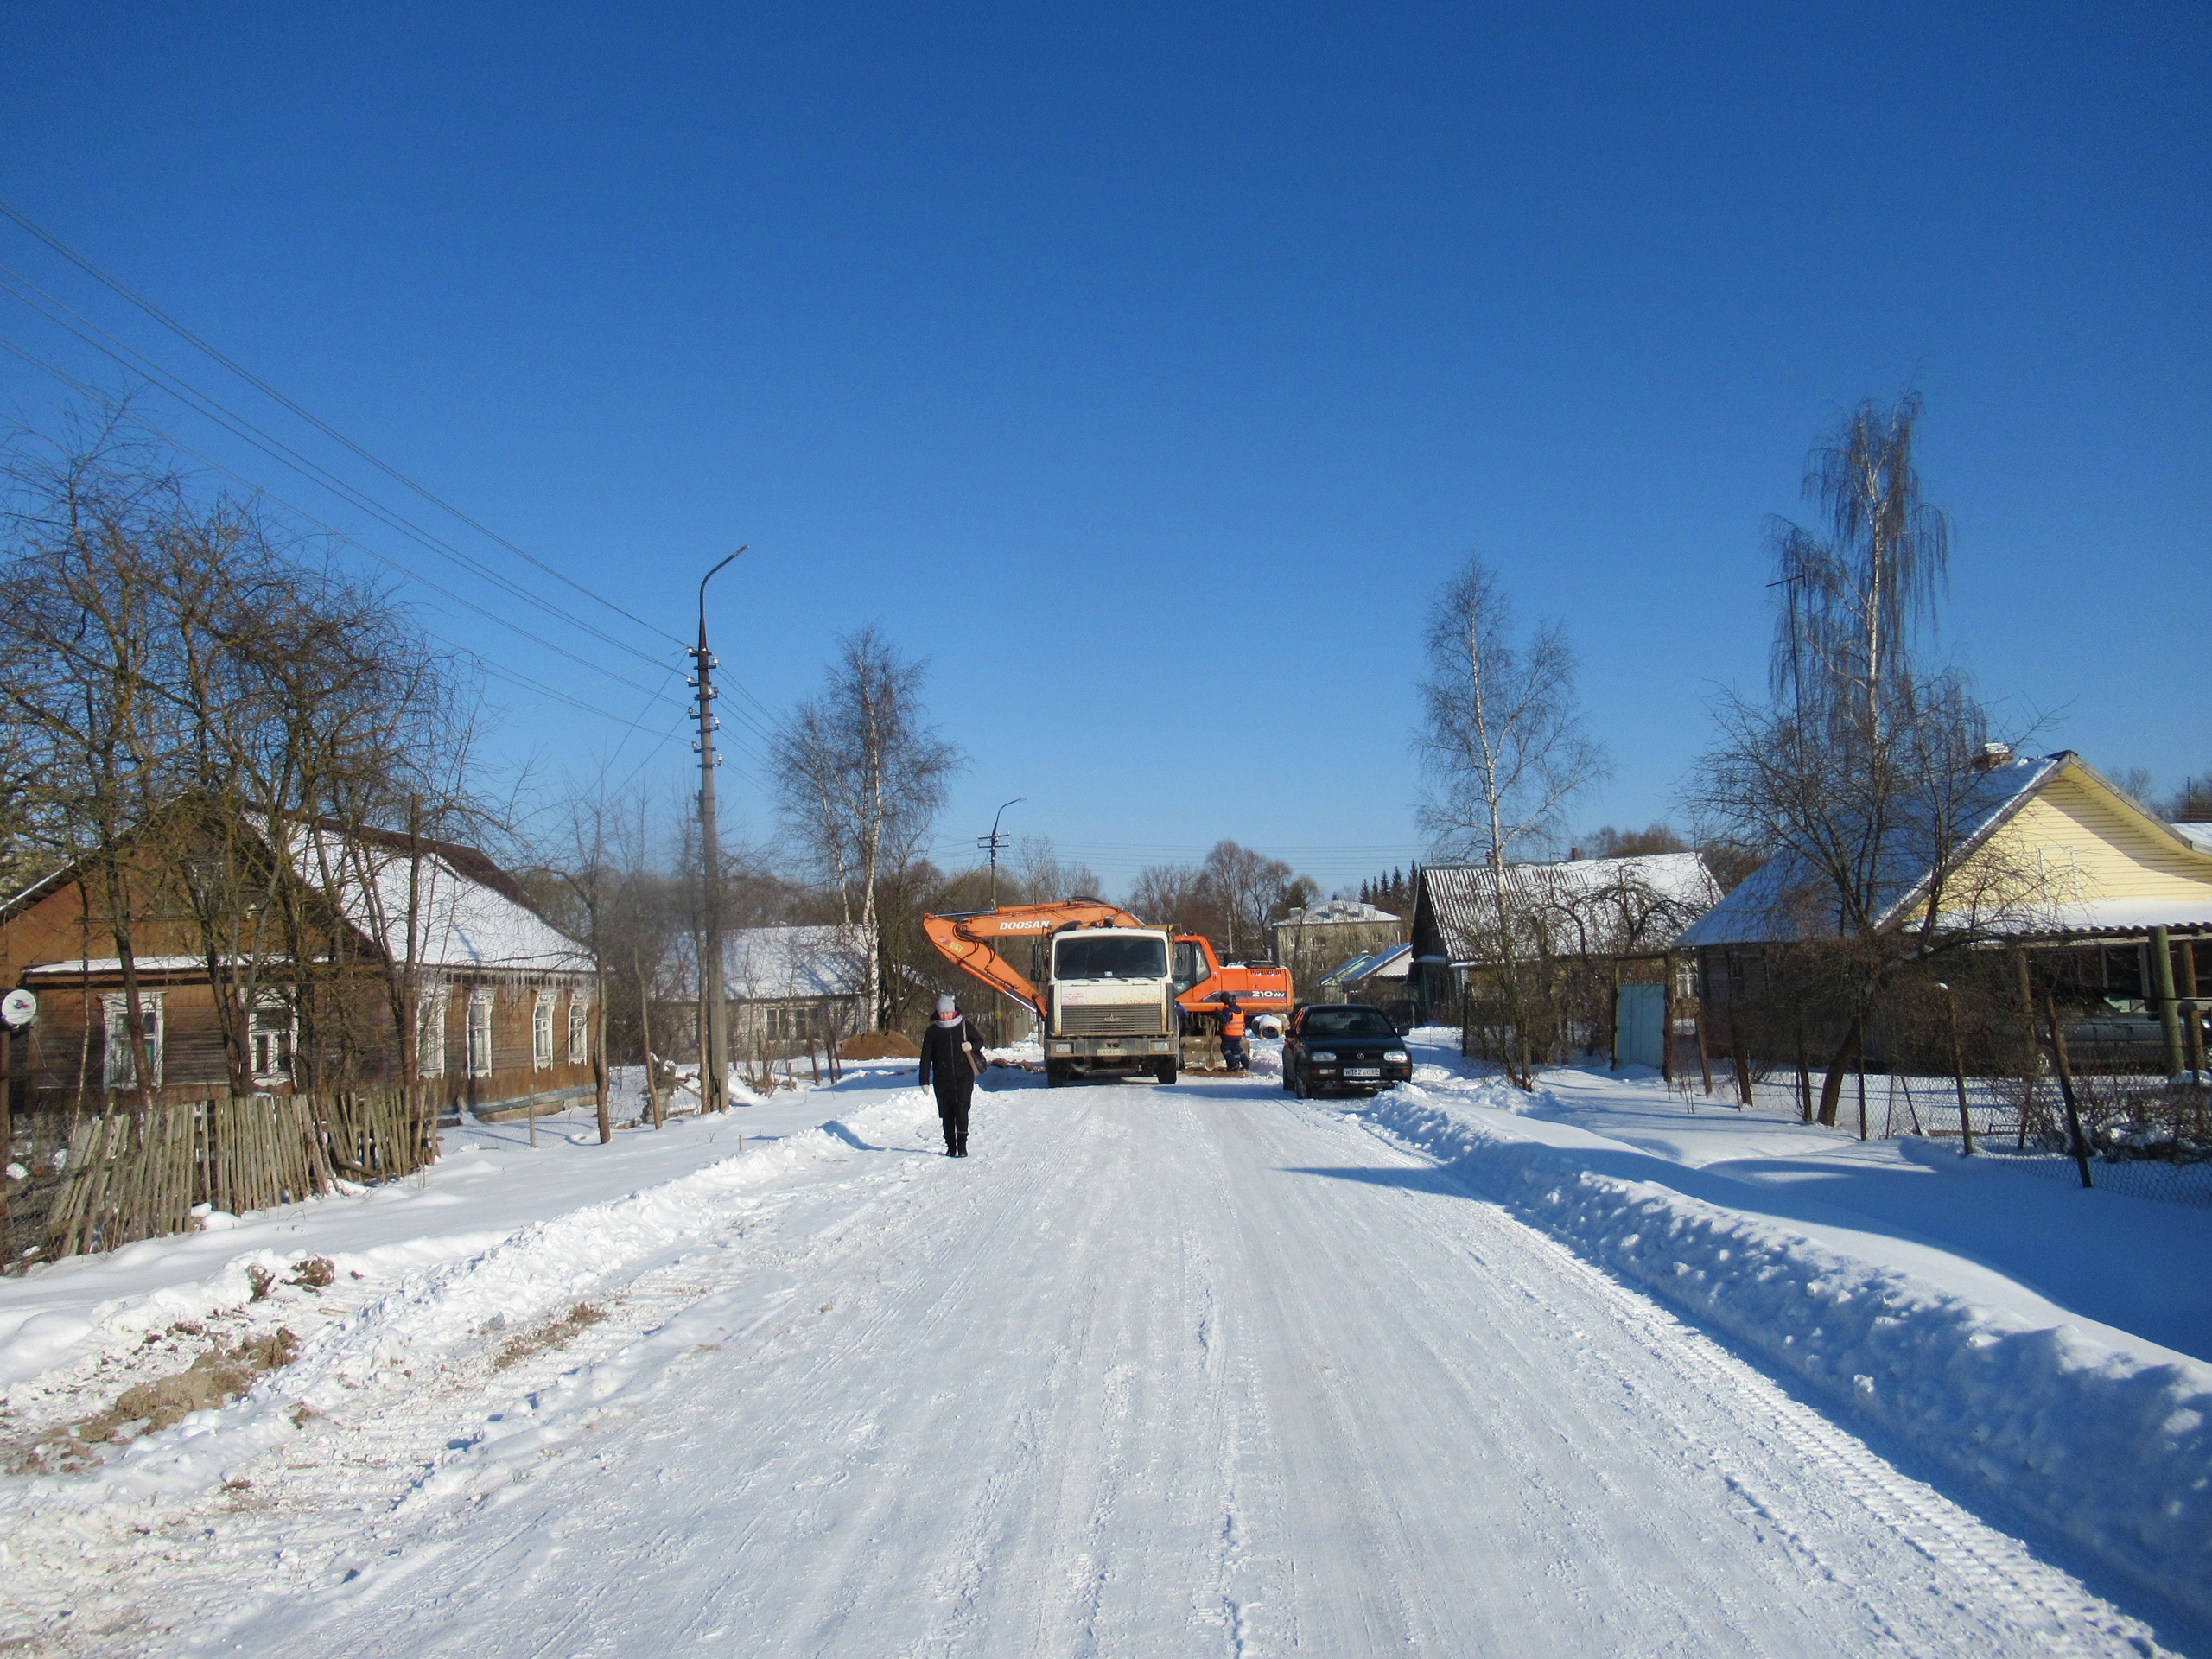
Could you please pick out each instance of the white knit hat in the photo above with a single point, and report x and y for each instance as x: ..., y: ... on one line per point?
x: 945, y: 1005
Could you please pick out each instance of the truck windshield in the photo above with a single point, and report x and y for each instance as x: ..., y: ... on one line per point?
x: 1104, y: 955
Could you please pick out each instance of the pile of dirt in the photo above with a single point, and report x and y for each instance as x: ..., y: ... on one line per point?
x: 557, y: 1334
x: 879, y: 1046
x: 215, y: 1378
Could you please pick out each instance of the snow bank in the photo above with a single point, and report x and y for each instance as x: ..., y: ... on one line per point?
x: 507, y: 1282
x: 2111, y: 1450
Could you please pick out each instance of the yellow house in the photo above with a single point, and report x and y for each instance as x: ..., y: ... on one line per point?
x: 2043, y: 853
x: 2077, y: 856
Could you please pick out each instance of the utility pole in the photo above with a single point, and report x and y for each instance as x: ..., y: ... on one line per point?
x: 993, y: 842
x: 713, y: 1037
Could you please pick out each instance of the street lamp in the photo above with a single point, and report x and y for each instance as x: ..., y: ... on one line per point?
x: 993, y: 842
x: 713, y: 1038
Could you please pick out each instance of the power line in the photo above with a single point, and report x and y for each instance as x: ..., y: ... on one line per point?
x: 321, y: 425
x: 498, y: 670
x: 214, y: 410
x: 328, y: 529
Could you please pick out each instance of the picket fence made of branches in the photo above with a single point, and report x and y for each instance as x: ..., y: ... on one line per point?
x: 137, y: 1172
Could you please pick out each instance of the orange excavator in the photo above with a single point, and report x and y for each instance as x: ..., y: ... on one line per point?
x: 1089, y: 1012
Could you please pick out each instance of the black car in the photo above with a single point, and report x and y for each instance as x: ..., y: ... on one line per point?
x: 1346, y: 1045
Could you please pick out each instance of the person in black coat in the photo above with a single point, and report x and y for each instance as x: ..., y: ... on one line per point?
x: 952, y: 1059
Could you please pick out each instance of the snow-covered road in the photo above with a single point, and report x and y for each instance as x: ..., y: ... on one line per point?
x: 1156, y: 1371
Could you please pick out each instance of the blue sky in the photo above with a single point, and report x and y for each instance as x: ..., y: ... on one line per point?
x: 1147, y: 369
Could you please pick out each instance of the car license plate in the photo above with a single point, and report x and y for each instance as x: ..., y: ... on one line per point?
x: 1362, y: 1071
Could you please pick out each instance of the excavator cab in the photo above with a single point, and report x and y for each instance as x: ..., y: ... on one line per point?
x: 1190, y: 965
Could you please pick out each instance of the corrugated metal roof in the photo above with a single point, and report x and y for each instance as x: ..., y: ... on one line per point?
x: 1590, y: 907
x: 1391, y: 962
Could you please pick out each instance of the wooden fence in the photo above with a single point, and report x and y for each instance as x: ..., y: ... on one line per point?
x: 132, y: 1173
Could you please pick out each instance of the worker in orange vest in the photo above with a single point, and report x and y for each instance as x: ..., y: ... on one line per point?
x: 1232, y: 1034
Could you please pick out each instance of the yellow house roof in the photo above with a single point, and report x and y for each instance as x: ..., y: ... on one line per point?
x: 2045, y: 848
x: 2093, y: 861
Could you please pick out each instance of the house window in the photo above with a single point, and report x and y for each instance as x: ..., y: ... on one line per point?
x: 270, y: 1034
x: 479, y: 1033
x: 541, y: 1031
x: 794, y: 1022
x: 117, y: 1063
x: 579, y: 1028
x: 430, y: 1033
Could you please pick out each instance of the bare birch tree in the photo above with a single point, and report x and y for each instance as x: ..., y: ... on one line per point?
x: 860, y: 775
x: 1503, y: 753
x: 1866, y: 760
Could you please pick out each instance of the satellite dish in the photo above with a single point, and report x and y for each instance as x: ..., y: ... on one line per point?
x: 18, y: 1009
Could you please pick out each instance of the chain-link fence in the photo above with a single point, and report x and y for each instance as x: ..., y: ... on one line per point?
x: 2146, y: 1137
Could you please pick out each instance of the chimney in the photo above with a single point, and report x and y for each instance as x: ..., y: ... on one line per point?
x: 1573, y: 853
x: 1990, y: 756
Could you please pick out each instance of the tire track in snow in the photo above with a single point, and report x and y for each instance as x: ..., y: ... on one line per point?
x: 1167, y: 1251
x: 1985, y: 1566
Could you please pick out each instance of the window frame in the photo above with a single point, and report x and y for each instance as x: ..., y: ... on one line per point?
x: 478, y: 1060
x: 541, y: 1031
x: 268, y: 1002
x: 115, y: 1041
x: 579, y: 1028
x: 432, y: 1009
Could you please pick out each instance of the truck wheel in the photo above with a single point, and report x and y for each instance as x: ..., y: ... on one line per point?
x: 1164, y: 1070
x: 1055, y: 1073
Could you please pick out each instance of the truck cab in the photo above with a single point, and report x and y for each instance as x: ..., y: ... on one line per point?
x: 1110, y: 1005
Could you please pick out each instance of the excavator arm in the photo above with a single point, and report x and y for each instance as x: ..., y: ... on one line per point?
x: 964, y: 938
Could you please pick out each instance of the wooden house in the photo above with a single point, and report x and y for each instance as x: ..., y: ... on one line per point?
x: 788, y: 988
x: 1584, y: 910
x: 402, y: 962
x: 2045, y: 856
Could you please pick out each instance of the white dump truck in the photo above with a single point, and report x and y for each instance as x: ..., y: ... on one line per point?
x: 1110, y: 1005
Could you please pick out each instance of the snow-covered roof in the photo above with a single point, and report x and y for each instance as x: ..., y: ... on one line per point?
x: 2198, y: 835
x: 1590, y: 906
x: 772, y: 964
x: 1783, y: 899
x: 768, y: 962
x: 466, y: 911
x: 1787, y: 899
x: 1337, y: 912
x: 99, y: 967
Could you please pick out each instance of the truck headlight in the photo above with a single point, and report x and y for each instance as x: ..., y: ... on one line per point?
x: 1396, y: 1057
